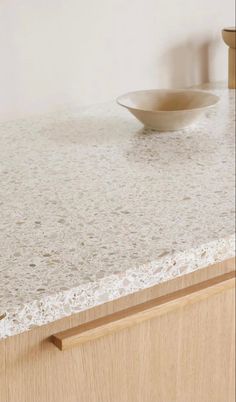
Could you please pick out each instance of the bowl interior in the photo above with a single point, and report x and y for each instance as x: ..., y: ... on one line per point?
x: 167, y: 100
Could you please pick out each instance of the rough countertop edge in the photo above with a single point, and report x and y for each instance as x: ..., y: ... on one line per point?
x: 52, y: 307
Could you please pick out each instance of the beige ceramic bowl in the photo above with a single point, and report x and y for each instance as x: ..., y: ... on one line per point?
x: 166, y: 110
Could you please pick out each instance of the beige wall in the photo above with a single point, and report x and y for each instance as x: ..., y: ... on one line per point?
x: 55, y: 52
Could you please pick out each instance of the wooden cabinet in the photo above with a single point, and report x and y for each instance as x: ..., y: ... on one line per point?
x: 171, y: 343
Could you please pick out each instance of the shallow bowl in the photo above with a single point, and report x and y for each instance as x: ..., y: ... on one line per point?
x: 167, y: 110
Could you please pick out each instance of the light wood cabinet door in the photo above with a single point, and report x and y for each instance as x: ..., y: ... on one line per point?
x: 185, y: 354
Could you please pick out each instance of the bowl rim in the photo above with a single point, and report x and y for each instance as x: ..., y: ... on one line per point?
x: 229, y: 29
x: 121, y: 103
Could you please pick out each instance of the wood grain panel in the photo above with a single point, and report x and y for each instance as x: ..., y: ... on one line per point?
x: 182, y: 356
x: 3, y: 388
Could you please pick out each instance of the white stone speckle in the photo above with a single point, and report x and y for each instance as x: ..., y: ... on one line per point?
x: 94, y: 207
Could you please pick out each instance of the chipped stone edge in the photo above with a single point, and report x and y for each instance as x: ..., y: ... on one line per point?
x: 63, y: 304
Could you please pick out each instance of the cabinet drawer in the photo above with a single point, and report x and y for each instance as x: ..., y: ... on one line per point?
x: 178, y: 347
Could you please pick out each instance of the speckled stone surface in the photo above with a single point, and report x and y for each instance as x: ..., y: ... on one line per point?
x: 94, y: 207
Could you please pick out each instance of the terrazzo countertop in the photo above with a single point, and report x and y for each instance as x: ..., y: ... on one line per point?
x: 93, y: 207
